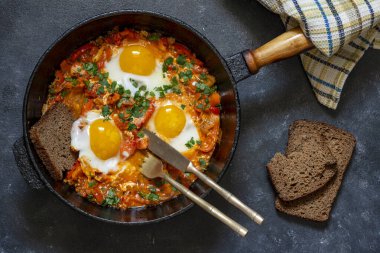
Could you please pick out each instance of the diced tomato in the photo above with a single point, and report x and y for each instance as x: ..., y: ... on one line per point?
x: 59, y: 76
x: 149, y: 113
x: 215, y: 110
x: 129, y: 146
x: 214, y: 99
x: 114, y: 39
x: 100, y: 64
x: 142, y: 143
x: 113, y: 98
x: 108, y: 51
x: 80, y: 51
x: 181, y: 49
x: 129, y: 34
x: 98, y: 195
x: 74, y: 171
x: 65, y: 66
x: 87, y: 106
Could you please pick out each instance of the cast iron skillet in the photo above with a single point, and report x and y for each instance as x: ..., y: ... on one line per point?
x: 241, y: 65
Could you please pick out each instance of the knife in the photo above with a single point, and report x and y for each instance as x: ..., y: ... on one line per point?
x: 167, y: 153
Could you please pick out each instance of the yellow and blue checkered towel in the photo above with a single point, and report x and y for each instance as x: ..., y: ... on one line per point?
x: 341, y: 30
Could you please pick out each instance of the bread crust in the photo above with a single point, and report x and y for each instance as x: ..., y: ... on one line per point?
x: 51, y: 139
x: 317, y: 205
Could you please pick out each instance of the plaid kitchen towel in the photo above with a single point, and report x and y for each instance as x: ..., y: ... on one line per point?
x: 341, y: 30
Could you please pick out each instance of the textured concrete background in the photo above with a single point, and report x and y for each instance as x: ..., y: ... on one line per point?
x: 36, y: 221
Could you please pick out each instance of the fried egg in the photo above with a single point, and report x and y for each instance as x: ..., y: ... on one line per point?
x: 97, y: 140
x: 136, y: 65
x: 173, y: 124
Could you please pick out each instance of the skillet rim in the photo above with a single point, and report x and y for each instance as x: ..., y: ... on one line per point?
x: 28, y: 144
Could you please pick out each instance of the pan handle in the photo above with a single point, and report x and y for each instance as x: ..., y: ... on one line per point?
x: 288, y: 44
x: 25, y: 166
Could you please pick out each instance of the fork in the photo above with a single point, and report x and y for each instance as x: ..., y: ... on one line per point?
x: 152, y: 167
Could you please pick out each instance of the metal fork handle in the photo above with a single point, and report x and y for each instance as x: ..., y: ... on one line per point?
x: 226, y: 194
x: 242, y: 231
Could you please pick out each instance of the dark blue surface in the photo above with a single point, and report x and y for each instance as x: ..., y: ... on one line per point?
x: 36, y: 221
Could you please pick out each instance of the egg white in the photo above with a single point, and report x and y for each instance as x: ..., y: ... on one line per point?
x: 152, y: 81
x: 178, y: 142
x: 80, y: 141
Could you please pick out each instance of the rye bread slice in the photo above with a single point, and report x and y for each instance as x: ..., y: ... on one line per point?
x: 51, y: 137
x: 317, y: 205
x: 303, y: 172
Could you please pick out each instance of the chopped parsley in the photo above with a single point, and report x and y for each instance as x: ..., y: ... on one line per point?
x: 190, y: 143
x: 153, y: 196
x: 73, y: 81
x: 140, y: 134
x: 88, y: 84
x: 153, y: 36
x: 188, y: 65
x: 203, y: 88
x: 91, y: 68
x: 181, y: 59
x: 131, y: 127
x: 121, y: 116
x: 171, y: 88
x: 203, y: 76
x: 149, y: 196
x: 113, y: 87
x: 199, y: 142
x: 92, y: 183
x: 134, y: 82
x: 168, y: 61
x: 186, y: 75
x: 202, y: 162
x: 111, y: 198
x: 100, y: 90
x: 183, y: 107
x: 64, y: 93
x: 120, y: 89
x: 203, y: 107
x: 90, y: 197
x: 106, y: 112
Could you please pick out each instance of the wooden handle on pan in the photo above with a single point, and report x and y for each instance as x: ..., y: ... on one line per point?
x: 288, y: 44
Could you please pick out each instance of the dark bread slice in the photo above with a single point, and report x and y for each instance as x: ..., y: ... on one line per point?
x: 51, y: 137
x: 317, y: 205
x: 304, y: 172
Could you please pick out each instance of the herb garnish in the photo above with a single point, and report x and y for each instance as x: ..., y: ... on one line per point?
x: 168, y: 61
x: 203, y: 76
x: 186, y: 75
x: 153, y: 36
x: 92, y: 183
x: 203, y: 88
x: 171, y: 88
x: 111, y: 198
x: 202, y: 162
x: 131, y: 127
x: 181, y: 59
x: 150, y: 196
x: 73, y: 81
x: 64, y: 93
x: 190, y: 143
x: 91, y: 68
x: 106, y: 112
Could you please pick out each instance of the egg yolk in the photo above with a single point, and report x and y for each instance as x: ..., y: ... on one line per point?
x: 137, y: 59
x: 169, y: 121
x: 105, y: 139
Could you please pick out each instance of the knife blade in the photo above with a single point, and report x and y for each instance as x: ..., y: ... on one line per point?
x: 166, y: 152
